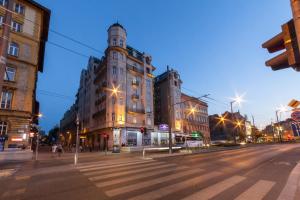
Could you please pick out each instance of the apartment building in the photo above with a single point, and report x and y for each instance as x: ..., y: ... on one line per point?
x: 24, y: 26
x: 115, y: 97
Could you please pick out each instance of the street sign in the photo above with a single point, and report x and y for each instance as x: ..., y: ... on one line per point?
x: 296, y: 115
x: 163, y: 127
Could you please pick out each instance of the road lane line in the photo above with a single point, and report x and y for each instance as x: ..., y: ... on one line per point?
x: 159, y: 193
x: 215, y: 189
x: 99, y: 172
x: 257, y: 191
x: 138, y: 176
x: 144, y: 184
x: 130, y: 172
x: 293, y: 182
x: 112, y: 164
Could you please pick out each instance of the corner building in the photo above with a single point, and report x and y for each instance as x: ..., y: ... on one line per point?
x: 22, y: 55
x: 115, y: 98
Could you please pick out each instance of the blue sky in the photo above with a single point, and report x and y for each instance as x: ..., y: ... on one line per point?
x: 215, y: 45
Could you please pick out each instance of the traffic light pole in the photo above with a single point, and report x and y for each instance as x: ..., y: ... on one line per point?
x: 77, y: 141
x: 295, y: 4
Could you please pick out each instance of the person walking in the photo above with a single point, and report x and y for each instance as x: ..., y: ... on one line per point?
x: 54, y: 148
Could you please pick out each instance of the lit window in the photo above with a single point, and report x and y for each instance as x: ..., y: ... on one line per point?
x: 6, y: 98
x: 134, y: 120
x: 3, y: 128
x: 19, y: 8
x: 13, y: 49
x: 149, y: 122
x: 3, y: 2
x: 15, y: 26
x: 9, y: 74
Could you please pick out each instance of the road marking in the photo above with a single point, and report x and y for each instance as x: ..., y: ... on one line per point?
x: 138, y: 176
x: 98, y: 171
x: 156, y: 194
x: 130, y: 172
x: 14, y: 192
x: 144, y: 184
x: 293, y: 182
x: 115, y: 164
x: 215, y: 189
x: 19, y: 178
x: 257, y: 191
x: 6, y: 172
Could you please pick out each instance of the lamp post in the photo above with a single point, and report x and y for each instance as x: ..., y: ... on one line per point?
x: 281, y: 109
x: 170, y: 119
x: 37, y: 138
x: 238, y: 99
x: 77, y: 141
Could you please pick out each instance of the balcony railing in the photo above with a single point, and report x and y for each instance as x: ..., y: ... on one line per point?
x: 135, y: 69
x: 135, y: 110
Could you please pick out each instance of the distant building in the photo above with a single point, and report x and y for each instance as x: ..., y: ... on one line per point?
x: 227, y: 125
x: 68, y: 126
x: 23, y: 54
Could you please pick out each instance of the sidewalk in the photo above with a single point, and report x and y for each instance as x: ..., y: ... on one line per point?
x: 15, y: 155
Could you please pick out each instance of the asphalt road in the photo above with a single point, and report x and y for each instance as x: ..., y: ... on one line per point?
x: 266, y: 172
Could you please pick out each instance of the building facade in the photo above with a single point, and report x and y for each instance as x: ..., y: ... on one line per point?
x: 115, y: 97
x: 195, y: 117
x: 22, y: 57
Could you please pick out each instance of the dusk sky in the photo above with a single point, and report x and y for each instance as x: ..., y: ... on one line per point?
x: 215, y: 46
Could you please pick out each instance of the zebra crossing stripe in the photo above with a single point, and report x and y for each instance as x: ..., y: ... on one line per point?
x: 144, y: 184
x: 112, y: 165
x: 257, y: 191
x: 138, y: 176
x: 109, y: 170
x: 130, y: 172
x: 215, y: 189
x: 156, y: 194
x: 101, y: 164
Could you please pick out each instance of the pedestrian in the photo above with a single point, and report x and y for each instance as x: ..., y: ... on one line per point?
x: 59, y: 150
x: 54, y: 148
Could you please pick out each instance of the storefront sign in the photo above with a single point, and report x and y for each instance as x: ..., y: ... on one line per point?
x: 16, y: 139
x: 194, y: 143
x: 163, y: 127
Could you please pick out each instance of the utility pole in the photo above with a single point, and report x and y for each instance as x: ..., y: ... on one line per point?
x: 170, y: 111
x: 4, y: 40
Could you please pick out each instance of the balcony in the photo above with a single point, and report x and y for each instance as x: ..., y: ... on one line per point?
x: 135, y: 110
x: 99, y: 113
x: 135, y: 97
x: 135, y: 69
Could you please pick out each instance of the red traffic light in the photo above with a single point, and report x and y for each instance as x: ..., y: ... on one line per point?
x: 142, y: 129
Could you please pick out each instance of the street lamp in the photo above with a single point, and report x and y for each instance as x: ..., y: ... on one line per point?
x: 281, y: 109
x: 37, y: 138
x: 77, y: 141
x: 238, y: 99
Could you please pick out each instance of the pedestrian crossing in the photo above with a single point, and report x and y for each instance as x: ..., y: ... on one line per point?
x: 156, y: 180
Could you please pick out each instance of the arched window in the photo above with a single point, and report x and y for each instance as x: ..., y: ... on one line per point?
x: 3, y: 128
x: 114, y: 42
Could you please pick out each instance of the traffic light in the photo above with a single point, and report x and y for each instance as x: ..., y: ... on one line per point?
x: 287, y: 40
x: 142, y: 130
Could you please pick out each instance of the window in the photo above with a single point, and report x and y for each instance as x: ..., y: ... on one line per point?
x: 114, y: 70
x: 114, y: 42
x: 13, y: 49
x: 134, y: 106
x: 3, y: 2
x: 134, y: 120
x: 121, y: 101
x: 1, y: 20
x: 148, y: 70
x: 9, y: 74
x: 6, y: 98
x: 175, y: 83
x: 15, y: 26
x: 3, y: 128
x: 121, y: 43
x: 115, y: 55
x: 113, y: 100
x: 149, y: 122
x: 19, y: 8
x: 113, y: 117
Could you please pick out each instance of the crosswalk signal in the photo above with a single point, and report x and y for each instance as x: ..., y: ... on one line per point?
x: 287, y: 40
